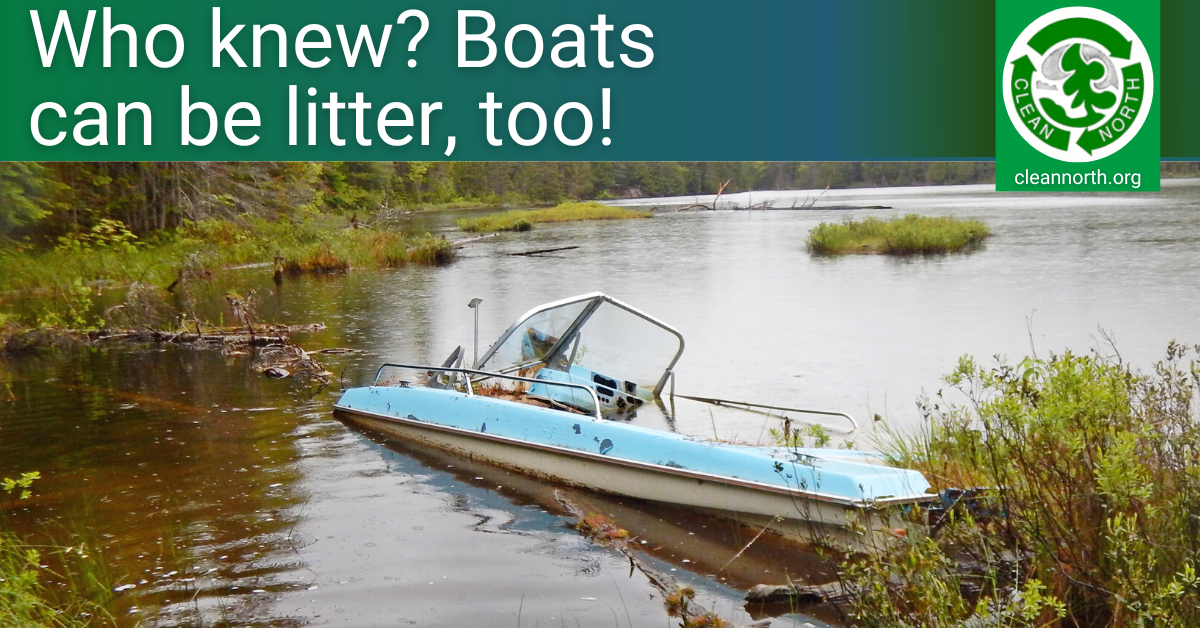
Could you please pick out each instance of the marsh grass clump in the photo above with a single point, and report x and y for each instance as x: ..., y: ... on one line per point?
x: 314, y: 249
x: 1092, y: 517
x: 907, y: 235
x: 524, y: 219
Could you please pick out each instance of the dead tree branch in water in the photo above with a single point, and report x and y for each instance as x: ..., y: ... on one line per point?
x: 679, y: 600
x: 767, y: 204
x: 714, y: 203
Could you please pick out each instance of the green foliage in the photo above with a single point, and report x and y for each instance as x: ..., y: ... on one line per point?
x: 1100, y: 469
x: 913, y: 579
x: 906, y: 235
x: 359, y: 185
x: 523, y: 220
x: 813, y: 435
x: 54, y: 199
x: 25, y: 194
x: 70, y: 308
x: 105, y: 234
x: 26, y: 601
x: 20, y: 485
x: 69, y: 277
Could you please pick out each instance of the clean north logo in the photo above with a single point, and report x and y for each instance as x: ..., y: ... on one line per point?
x: 1078, y: 84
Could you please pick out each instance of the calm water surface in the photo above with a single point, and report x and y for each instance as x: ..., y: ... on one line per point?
x: 272, y: 513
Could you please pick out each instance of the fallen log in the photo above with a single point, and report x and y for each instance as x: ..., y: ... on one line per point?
x: 540, y: 251
x: 188, y: 337
x: 276, y: 355
x: 796, y: 594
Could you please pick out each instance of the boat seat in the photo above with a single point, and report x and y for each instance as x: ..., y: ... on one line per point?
x: 443, y: 380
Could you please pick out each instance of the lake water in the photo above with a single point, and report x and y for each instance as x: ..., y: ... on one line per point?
x: 273, y: 513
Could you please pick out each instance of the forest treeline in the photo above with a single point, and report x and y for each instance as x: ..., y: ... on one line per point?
x: 46, y: 200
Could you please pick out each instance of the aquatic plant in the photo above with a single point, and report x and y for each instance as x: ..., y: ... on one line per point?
x: 907, y: 235
x: 1092, y: 515
x: 10, y: 485
x: 812, y: 435
x: 524, y: 219
x: 600, y: 529
x: 677, y: 601
x: 26, y: 600
x: 705, y: 620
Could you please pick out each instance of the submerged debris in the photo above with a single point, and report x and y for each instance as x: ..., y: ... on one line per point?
x: 679, y: 601
x: 795, y: 594
x: 275, y: 354
x: 275, y: 361
x: 601, y: 529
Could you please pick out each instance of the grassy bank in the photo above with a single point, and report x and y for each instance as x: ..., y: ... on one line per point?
x: 524, y: 219
x: 110, y: 254
x: 65, y: 278
x: 908, y: 235
x: 1098, y: 520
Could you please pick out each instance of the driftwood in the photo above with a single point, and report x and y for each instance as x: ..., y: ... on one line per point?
x: 796, y: 594
x: 278, y: 361
x: 275, y: 354
x: 186, y: 337
x: 811, y: 208
x: 541, y: 251
x: 714, y: 203
x: 264, y: 336
x: 768, y: 204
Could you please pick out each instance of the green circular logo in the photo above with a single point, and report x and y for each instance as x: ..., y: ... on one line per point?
x: 1078, y: 84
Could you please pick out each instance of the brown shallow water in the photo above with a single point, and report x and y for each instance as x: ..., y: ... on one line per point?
x: 272, y: 513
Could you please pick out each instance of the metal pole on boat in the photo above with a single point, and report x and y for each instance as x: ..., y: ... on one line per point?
x: 474, y: 305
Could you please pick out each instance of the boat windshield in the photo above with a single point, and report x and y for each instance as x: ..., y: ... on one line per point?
x: 593, y: 331
x: 529, y: 341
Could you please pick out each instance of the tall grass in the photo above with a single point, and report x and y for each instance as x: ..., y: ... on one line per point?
x: 1092, y: 517
x: 26, y: 599
x: 524, y: 219
x: 339, y: 251
x: 907, y: 235
x: 305, y: 246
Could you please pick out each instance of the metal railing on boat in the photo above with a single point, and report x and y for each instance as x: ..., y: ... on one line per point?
x: 488, y: 375
x: 759, y: 407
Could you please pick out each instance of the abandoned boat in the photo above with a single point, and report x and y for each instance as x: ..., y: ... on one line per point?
x: 545, y: 401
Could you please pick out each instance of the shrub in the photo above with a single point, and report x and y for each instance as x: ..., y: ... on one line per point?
x: 1094, y: 511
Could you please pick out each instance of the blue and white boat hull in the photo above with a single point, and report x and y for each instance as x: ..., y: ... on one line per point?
x: 806, y: 485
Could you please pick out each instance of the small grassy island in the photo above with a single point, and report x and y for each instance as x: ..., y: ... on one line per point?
x: 524, y: 219
x: 907, y: 235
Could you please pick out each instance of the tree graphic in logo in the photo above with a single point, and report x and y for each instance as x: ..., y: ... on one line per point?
x: 1078, y: 84
x: 1080, y: 73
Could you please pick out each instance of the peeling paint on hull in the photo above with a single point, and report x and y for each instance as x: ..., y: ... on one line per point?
x: 671, y: 482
